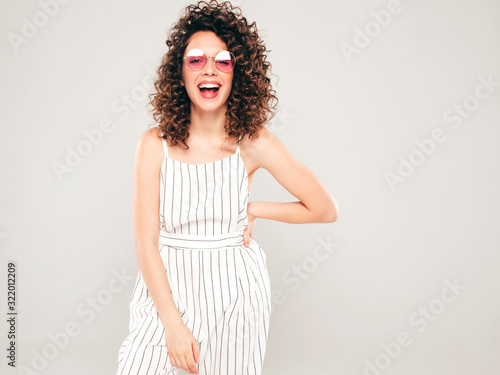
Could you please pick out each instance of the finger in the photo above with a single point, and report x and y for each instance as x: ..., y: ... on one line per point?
x: 173, y: 361
x: 183, y: 364
x: 196, y: 351
x: 191, y: 365
x: 245, y: 236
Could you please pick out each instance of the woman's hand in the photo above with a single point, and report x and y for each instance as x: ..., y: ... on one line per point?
x: 248, y: 233
x: 182, y: 347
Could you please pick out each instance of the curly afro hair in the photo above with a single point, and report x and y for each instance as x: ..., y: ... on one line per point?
x: 252, y: 101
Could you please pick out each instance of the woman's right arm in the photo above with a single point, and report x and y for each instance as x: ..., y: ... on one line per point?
x: 146, y: 203
x: 181, y: 344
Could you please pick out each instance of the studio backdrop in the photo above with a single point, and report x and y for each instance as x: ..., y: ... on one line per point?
x: 394, y: 105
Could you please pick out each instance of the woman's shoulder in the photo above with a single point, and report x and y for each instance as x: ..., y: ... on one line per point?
x: 264, y: 137
x: 149, y: 145
x: 265, y: 143
x: 259, y: 150
x: 151, y: 136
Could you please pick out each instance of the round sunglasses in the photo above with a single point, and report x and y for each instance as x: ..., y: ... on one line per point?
x: 223, y: 61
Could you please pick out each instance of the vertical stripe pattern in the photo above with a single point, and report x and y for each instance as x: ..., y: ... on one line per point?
x: 220, y: 287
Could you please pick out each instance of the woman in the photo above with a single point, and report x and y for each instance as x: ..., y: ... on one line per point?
x: 202, y: 303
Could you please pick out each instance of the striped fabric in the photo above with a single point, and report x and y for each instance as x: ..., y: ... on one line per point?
x: 220, y: 287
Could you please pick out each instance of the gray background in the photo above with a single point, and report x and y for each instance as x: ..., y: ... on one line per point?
x: 350, y: 119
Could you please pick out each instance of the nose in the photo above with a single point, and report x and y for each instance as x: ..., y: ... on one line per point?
x: 210, y: 67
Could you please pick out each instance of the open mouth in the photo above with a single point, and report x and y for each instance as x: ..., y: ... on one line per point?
x: 209, y: 90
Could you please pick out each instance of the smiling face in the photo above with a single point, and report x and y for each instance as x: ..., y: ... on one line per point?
x: 207, y: 98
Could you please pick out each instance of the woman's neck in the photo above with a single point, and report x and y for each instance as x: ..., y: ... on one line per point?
x: 208, y: 125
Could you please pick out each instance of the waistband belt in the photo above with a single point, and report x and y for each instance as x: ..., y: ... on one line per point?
x: 190, y: 241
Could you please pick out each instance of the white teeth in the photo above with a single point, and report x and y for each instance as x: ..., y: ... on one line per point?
x: 208, y: 85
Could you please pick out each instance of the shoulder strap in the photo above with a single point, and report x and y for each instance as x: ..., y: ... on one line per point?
x: 165, y: 147
x: 164, y: 141
x: 238, y: 148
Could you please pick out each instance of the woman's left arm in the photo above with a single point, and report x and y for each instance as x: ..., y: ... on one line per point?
x: 315, y: 202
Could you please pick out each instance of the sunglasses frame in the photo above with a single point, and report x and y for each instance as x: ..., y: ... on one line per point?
x: 210, y: 57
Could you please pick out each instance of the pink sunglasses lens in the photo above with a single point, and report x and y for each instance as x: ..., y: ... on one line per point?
x: 225, y: 61
x: 196, y: 59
